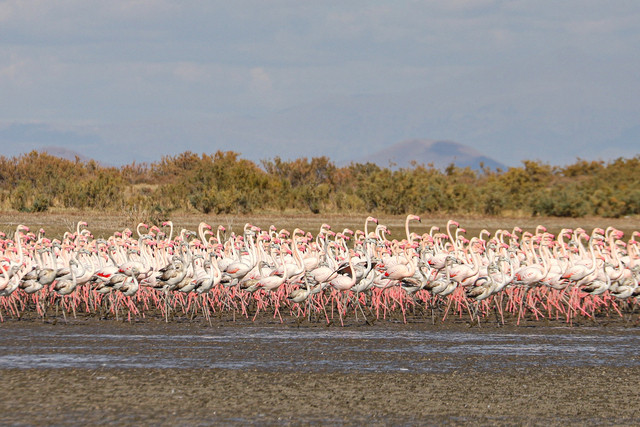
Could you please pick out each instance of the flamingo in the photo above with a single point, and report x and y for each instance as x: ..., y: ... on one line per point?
x: 401, y: 271
x: 65, y: 285
x: 346, y: 280
x: 273, y: 282
x: 536, y: 268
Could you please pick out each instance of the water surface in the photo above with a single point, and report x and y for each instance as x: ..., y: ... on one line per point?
x: 379, y: 349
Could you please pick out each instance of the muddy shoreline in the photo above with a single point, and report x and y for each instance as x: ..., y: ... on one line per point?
x: 419, y: 318
x: 239, y: 373
x: 199, y: 397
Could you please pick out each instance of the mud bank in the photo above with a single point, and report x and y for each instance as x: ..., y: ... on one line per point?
x: 549, y: 396
x: 110, y: 373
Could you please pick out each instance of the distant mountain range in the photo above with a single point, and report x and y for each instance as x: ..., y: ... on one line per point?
x: 438, y: 154
x: 427, y: 152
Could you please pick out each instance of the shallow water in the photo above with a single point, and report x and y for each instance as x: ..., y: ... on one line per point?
x: 379, y: 349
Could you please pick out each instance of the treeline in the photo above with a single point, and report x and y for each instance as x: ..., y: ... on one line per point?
x: 223, y: 183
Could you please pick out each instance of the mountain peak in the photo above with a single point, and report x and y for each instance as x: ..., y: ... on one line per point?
x: 439, y: 153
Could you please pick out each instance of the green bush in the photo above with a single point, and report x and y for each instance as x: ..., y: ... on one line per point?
x: 223, y: 183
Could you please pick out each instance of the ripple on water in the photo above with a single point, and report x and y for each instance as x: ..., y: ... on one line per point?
x: 316, y: 349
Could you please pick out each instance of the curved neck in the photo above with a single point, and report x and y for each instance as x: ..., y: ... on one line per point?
x: 451, y: 239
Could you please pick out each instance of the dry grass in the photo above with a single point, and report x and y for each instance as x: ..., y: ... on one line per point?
x: 105, y: 224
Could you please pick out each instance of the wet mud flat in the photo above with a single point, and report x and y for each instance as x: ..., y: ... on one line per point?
x: 109, y: 373
x: 550, y: 396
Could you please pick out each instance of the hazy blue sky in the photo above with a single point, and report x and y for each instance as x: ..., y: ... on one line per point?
x: 134, y: 80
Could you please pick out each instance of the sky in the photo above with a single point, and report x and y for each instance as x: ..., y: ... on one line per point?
x: 135, y: 80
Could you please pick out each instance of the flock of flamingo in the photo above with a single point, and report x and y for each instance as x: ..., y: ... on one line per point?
x: 328, y: 277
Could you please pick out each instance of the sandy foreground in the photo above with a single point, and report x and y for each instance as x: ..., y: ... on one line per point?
x: 321, y: 378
